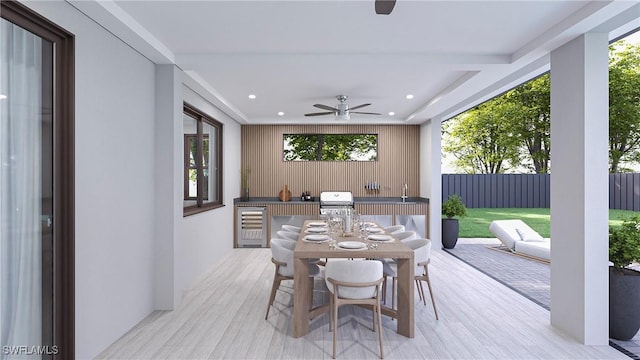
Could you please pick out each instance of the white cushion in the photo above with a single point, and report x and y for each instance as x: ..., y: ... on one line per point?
x: 529, y: 235
x: 511, y: 232
x: 505, y: 231
x: 539, y: 249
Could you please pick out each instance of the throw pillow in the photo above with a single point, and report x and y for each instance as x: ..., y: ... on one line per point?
x: 529, y: 235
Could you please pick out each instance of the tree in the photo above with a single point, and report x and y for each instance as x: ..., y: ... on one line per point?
x: 624, y: 104
x: 524, y: 114
x: 530, y: 114
x: 482, y: 139
x: 532, y: 122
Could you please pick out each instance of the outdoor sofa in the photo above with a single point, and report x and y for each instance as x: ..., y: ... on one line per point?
x: 519, y: 238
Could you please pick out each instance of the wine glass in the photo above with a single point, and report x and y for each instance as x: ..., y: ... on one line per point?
x: 364, y: 229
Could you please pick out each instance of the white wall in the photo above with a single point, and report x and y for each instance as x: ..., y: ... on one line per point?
x: 208, y: 236
x: 116, y: 225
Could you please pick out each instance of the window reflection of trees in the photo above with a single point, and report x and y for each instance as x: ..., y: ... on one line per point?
x: 330, y: 147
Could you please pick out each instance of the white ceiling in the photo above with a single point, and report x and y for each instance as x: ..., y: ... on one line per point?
x: 292, y: 54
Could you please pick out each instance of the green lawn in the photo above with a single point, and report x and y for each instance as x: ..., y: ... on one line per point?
x: 476, y: 223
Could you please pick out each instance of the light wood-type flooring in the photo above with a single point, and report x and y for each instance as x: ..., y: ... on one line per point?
x: 222, y: 317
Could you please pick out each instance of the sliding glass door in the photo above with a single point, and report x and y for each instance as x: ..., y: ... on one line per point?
x: 26, y: 192
x: 36, y: 185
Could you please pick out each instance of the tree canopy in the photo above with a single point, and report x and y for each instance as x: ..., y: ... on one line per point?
x: 482, y: 139
x: 624, y: 104
x: 520, y: 120
x: 532, y: 121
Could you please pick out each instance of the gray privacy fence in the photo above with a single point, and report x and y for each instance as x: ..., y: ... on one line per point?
x: 530, y: 190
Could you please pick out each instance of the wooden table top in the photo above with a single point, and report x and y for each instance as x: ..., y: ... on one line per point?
x: 307, y: 249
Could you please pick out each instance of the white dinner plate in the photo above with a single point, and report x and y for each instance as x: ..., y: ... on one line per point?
x: 352, y: 245
x: 319, y: 223
x: 376, y: 237
x: 375, y: 230
x: 316, y: 230
x: 316, y: 238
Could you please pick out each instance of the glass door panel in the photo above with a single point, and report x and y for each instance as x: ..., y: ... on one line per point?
x: 26, y: 194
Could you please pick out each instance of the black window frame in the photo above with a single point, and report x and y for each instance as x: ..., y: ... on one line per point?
x: 200, y: 206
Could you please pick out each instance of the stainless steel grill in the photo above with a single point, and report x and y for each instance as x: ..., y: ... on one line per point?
x: 336, y: 202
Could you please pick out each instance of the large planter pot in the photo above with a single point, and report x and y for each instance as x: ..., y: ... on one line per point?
x: 450, y: 228
x: 624, y: 304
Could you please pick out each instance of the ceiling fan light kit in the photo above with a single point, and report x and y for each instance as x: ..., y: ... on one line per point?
x: 343, y: 116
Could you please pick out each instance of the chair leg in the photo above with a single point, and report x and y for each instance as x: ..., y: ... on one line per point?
x: 330, y: 312
x: 373, y: 319
x: 379, y: 313
x: 312, y: 281
x: 335, y: 326
x: 421, y: 291
x: 384, y: 290
x: 393, y: 293
x: 432, y: 299
x: 274, y: 288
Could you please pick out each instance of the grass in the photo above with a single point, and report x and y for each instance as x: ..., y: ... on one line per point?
x: 476, y: 223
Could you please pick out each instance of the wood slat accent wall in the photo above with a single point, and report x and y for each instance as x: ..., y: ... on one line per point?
x: 398, y: 161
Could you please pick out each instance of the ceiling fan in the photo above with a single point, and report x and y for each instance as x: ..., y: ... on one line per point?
x: 384, y: 7
x: 342, y: 111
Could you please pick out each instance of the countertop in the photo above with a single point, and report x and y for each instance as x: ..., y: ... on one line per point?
x: 297, y: 200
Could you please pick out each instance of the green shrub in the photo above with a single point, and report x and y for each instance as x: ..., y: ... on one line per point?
x: 454, y: 206
x: 624, y: 243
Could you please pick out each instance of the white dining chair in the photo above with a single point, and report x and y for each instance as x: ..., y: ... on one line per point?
x: 422, y: 254
x: 282, y: 257
x: 354, y: 282
x: 291, y: 228
x: 404, y: 236
x: 394, y: 229
x: 288, y: 235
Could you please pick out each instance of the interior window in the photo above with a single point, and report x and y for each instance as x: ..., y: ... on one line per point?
x: 202, y: 161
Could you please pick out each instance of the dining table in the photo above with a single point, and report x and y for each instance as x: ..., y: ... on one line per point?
x: 381, y: 245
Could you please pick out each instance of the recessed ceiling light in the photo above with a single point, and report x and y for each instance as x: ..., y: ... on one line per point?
x: 280, y: 113
x: 391, y: 113
x: 410, y: 96
x: 251, y: 96
x: 2, y: 96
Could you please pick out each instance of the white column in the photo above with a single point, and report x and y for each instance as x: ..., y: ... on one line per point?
x: 168, y: 185
x: 431, y: 176
x: 579, y: 183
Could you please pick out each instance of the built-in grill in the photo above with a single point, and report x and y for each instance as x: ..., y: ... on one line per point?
x: 336, y: 202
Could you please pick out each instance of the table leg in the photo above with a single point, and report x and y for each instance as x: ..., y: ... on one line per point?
x: 301, y: 299
x: 405, y: 297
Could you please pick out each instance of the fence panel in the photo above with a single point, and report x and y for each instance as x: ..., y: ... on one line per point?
x: 624, y: 191
x: 530, y: 190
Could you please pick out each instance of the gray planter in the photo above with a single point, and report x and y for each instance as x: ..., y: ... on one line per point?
x: 450, y: 229
x: 624, y: 304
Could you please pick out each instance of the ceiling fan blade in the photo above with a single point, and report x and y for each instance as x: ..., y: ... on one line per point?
x: 358, y: 107
x: 325, y: 107
x: 384, y: 7
x: 320, y: 113
x: 366, y: 113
